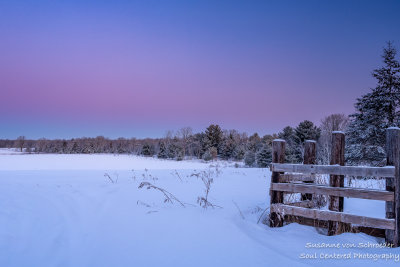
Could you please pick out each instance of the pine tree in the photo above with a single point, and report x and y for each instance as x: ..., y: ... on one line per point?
x: 228, y: 147
x: 264, y: 156
x: 375, y: 112
x: 254, y: 143
x: 197, y: 145
x: 147, y: 150
x: 175, y: 149
x: 162, y: 153
x: 288, y: 134
x: 239, y: 152
x: 250, y: 158
x: 207, y: 155
x: 213, y: 138
x: 306, y: 130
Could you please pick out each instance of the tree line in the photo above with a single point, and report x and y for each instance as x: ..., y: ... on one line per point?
x: 213, y: 143
x: 365, y: 133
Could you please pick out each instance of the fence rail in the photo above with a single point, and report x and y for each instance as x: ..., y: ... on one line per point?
x: 334, y: 191
x: 388, y: 171
x: 333, y: 216
x: 297, y: 177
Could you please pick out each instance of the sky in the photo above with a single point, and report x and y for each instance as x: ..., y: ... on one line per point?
x: 140, y: 68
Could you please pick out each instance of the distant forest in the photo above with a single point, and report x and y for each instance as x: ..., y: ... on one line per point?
x: 211, y: 144
x: 365, y: 133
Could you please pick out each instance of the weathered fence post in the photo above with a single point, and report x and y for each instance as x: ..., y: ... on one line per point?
x: 310, y: 150
x: 337, y: 158
x: 393, y: 184
x: 278, y: 156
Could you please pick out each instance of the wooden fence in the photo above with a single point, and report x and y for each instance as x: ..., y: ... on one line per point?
x: 300, y: 178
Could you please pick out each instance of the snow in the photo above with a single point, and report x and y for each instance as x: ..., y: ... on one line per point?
x: 310, y: 141
x: 10, y: 151
x: 60, y: 210
x: 24, y: 161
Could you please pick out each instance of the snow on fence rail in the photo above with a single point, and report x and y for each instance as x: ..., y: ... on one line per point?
x: 335, y: 169
x: 299, y: 178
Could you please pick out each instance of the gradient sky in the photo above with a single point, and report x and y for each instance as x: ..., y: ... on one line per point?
x: 138, y: 68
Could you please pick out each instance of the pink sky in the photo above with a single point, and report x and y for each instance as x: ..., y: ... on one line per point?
x: 129, y: 69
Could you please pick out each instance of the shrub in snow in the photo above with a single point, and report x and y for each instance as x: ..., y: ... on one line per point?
x: 213, y: 152
x: 180, y: 156
x: 207, y: 156
x: 250, y: 158
x: 168, y: 197
x: 207, y: 177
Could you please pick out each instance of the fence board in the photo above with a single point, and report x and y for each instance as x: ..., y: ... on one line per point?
x: 304, y: 204
x: 334, y: 191
x: 296, y: 177
x: 388, y: 171
x: 333, y: 216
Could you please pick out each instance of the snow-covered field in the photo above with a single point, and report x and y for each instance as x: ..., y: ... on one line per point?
x: 62, y: 210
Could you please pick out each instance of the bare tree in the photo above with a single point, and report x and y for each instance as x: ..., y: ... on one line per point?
x: 20, y: 142
x: 185, y: 134
x: 333, y: 122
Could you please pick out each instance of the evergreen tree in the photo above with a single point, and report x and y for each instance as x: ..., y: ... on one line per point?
x: 250, y: 158
x: 375, y: 111
x: 228, y: 147
x: 197, y: 145
x: 264, y: 156
x: 207, y: 155
x: 147, y: 150
x: 175, y: 149
x: 254, y: 143
x: 75, y: 147
x: 162, y: 153
x: 306, y: 130
x: 239, y: 152
x: 213, y: 138
x: 288, y: 134
x: 268, y: 138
